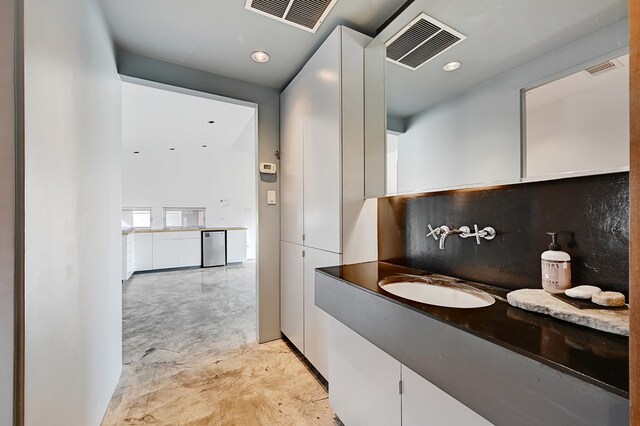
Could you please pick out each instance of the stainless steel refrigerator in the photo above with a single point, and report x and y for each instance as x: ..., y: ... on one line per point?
x: 214, y: 248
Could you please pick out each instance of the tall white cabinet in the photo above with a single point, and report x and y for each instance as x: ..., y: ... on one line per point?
x: 325, y: 220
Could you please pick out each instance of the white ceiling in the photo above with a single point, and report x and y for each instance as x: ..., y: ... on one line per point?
x: 578, y: 83
x: 154, y: 120
x: 219, y: 35
x: 502, y: 34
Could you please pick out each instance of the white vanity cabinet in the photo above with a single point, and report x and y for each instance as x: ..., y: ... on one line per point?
x: 365, y: 381
x: 292, y: 293
x: 316, y: 321
x: 292, y: 107
x: 423, y: 400
x: 370, y: 387
x: 304, y: 324
x: 323, y: 214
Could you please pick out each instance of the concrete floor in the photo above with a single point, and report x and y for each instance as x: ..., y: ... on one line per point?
x: 190, y: 356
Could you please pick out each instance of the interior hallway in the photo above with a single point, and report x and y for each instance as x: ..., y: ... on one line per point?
x: 190, y: 356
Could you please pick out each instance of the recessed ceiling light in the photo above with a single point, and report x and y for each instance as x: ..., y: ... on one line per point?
x: 260, y: 56
x: 452, y: 66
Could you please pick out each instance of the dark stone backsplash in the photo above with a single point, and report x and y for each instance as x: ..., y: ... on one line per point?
x: 592, y: 213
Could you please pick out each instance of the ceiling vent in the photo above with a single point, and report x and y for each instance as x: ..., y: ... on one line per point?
x: 604, y: 67
x: 420, y: 41
x: 305, y: 14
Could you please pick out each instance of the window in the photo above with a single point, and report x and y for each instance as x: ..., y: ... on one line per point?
x: 181, y: 217
x: 139, y: 218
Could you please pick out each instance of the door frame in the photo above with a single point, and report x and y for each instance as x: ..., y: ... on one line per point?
x: 634, y: 211
x: 206, y: 95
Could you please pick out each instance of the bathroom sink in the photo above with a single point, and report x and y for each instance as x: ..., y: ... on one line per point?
x: 437, y: 291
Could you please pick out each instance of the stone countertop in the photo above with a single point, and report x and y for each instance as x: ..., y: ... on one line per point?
x: 590, y: 355
x: 147, y: 231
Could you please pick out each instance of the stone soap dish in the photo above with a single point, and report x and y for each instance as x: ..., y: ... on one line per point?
x: 614, y: 321
x: 585, y: 303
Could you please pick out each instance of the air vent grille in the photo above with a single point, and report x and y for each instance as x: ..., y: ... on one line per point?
x: 305, y: 14
x: 600, y: 68
x: 414, y: 36
x: 271, y: 7
x: 421, y: 41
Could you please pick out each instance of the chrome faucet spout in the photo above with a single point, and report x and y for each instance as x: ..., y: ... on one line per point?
x: 462, y: 231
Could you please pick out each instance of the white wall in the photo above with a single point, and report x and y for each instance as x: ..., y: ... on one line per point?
x: 476, y: 137
x: 7, y: 206
x: 199, y: 177
x: 73, y: 341
x: 392, y: 164
x: 580, y: 122
x: 268, y: 101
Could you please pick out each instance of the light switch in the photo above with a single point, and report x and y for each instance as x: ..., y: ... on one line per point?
x: 271, y: 197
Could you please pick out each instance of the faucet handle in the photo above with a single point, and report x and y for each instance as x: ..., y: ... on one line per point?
x: 475, y: 227
x: 434, y: 232
x: 488, y: 233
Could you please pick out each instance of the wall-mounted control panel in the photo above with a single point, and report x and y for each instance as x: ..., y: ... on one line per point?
x: 268, y: 168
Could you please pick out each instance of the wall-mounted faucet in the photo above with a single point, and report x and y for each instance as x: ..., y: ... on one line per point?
x: 488, y: 233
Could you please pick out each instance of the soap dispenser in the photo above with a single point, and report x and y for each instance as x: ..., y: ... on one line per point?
x: 556, y: 267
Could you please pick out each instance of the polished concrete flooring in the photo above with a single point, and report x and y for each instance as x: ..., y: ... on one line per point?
x: 190, y: 356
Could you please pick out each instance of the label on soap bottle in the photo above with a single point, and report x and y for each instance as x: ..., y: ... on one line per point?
x: 556, y: 275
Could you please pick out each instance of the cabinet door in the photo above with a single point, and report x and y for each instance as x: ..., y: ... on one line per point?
x: 292, y: 293
x: 236, y: 246
x: 422, y: 400
x: 322, y: 148
x: 364, y: 380
x: 315, y: 319
x: 292, y: 107
x: 189, y: 252
x: 143, y: 246
x: 165, y: 252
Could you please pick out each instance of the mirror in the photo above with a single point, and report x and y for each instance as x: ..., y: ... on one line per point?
x: 481, y: 92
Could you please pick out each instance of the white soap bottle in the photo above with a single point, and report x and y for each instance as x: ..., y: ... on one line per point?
x: 556, y: 267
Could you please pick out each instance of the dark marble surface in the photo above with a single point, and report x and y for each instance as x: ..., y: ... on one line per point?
x: 596, y: 357
x: 590, y: 212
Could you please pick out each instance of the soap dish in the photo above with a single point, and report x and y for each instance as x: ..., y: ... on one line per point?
x: 584, y: 303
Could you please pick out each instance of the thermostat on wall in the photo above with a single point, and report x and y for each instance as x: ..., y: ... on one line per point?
x: 269, y: 168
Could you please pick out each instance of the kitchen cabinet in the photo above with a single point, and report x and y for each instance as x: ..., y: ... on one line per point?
x: 128, y: 256
x: 370, y: 387
x: 143, y: 245
x: 292, y: 293
x: 176, y: 249
x: 189, y: 251
x: 236, y: 245
x: 323, y: 213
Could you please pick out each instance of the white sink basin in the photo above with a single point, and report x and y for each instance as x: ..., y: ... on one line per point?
x: 438, y: 293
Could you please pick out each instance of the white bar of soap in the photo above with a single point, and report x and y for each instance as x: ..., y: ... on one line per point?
x: 582, y: 291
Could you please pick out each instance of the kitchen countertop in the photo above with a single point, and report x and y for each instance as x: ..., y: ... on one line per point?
x: 146, y: 231
x: 590, y: 355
